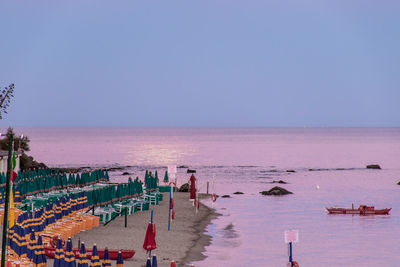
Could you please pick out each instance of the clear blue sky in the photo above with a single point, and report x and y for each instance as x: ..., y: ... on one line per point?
x: 201, y: 63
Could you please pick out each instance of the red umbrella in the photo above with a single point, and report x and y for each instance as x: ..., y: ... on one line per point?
x: 149, y: 240
x: 192, y: 187
x: 173, y: 264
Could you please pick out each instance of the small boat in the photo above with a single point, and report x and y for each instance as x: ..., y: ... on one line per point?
x: 362, y: 210
x: 126, y: 254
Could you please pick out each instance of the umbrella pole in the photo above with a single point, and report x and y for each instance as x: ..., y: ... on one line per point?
x: 126, y: 217
x: 169, y: 212
x: 151, y: 221
x: 7, y: 200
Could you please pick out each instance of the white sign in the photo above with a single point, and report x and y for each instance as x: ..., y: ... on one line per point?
x: 291, y: 236
x: 172, y: 170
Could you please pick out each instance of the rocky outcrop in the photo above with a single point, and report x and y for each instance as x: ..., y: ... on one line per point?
x: 278, y: 182
x: 182, y: 167
x: 374, y: 166
x: 276, y: 191
x: 27, y: 162
x: 184, y: 188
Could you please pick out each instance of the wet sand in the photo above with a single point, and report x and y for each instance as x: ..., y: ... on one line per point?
x: 184, y: 243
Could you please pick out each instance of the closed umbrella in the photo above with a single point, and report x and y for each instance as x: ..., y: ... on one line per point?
x: 166, y: 177
x: 17, y: 197
x: 31, y: 246
x: 173, y: 264
x: 59, y: 256
x: 192, y: 187
x: 106, y: 259
x: 148, y: 262
x: 2, y: 199
x: 18, y: 242
x: 69, y: 255
x: 149, y: 241
x: 120, y: 261
x: 95, y: 261
x: 83, y: 261
x: 155, y: 180
x: 154, y: 261
x: 40, y: 257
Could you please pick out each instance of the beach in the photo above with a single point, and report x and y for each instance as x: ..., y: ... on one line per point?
x: 184, y: 243
x: 322, y: 167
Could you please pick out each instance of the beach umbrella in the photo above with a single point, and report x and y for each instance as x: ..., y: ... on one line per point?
x: 17, y: 197
x: 149, y: 241
x: 106, y: 259
x: 2, y: 199
x: 192, y: 187
x: 19, y: 237
x: 59, y: 256
x: 155, y: 180
x: 120, y: 260
x: 69, y: 259
x: 18, y: 241
x: 173, y: 264
x: 83, y: 261
x: 31, y: 246
x: 154, y: 261
x: 95, y: 261
x: 166, y: 177
x: 148, y: 262
x: 40, y: 257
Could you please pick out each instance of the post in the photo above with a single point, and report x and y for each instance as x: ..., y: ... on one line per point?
x: 126, y: 217
x: 208, y: 183
x: 290, y: 254
x: 151, y: 220
x: 169, y: 211
x: 7, y: 200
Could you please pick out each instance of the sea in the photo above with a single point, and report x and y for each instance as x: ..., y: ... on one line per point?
x: 323, y: 167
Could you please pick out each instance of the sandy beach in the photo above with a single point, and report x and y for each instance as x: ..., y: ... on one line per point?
x: 184, y: 243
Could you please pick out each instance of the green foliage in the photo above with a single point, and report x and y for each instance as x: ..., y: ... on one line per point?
x: 5, y: 98
x: 20, y: 142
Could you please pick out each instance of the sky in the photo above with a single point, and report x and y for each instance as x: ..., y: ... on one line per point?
x: 220, y: 63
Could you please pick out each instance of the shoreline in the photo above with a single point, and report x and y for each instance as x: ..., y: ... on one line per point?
x: 202, y: 240
x: 184, y: 243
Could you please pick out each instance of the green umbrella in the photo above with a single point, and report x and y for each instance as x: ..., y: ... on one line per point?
x: 166, y: 179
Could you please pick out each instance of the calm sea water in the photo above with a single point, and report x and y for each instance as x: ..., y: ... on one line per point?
x: 251, y: 228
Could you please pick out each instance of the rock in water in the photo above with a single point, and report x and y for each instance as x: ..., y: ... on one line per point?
x: 374, y: 166
x: 184, y: 188
x: 125, y: 173
x: 276, y: 191
x: 226, y: 196
x: 278, y: 182
x: 238, y: 193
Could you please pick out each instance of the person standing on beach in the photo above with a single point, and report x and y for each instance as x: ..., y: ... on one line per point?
x: 192, y: 187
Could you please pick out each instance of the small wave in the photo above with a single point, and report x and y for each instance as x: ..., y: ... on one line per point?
x: 244, y: 166
x: 334, y: 169
x: 268, y: 171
